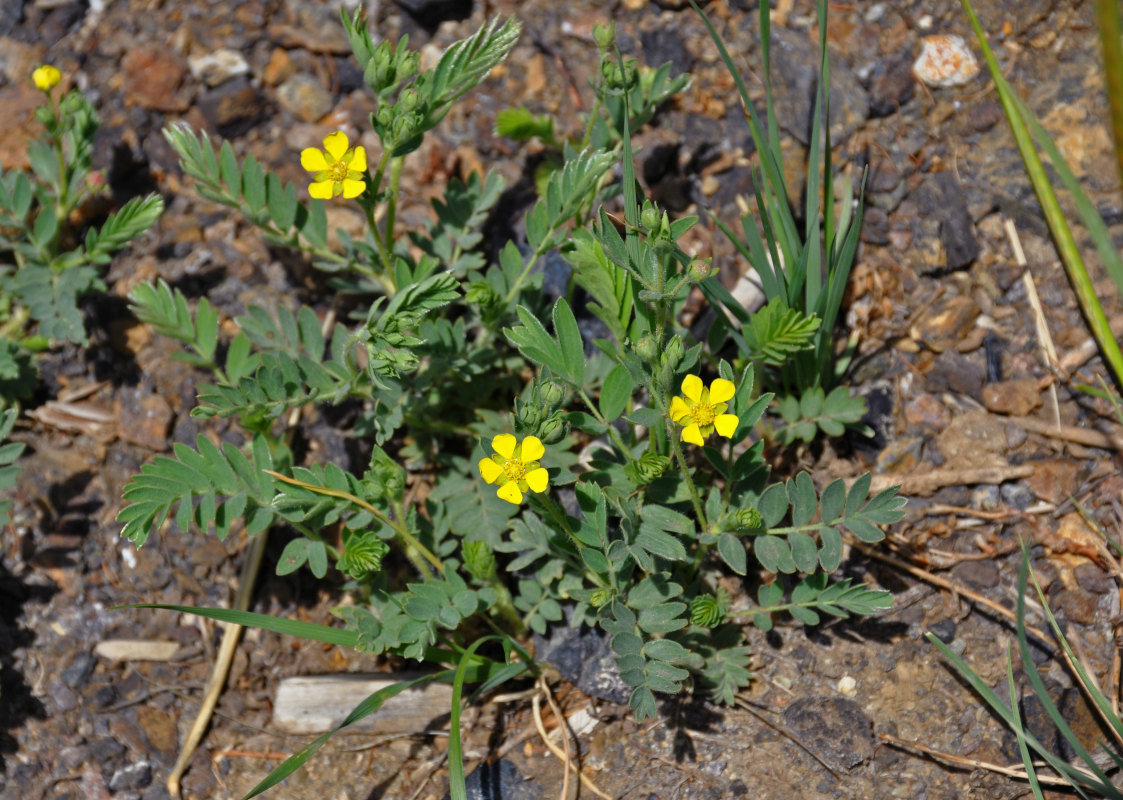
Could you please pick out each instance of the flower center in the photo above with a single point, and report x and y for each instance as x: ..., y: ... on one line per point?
x: 338, y: 171
x: 703, y: 414
x: 514, y: 469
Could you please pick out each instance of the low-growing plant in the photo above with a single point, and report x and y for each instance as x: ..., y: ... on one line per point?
x: 803, y: 273
x: 47, y: 262
x: 523, y: 473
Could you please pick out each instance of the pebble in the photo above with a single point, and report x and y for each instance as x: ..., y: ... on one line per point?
x: 501, y: 779
x: 941, y: 198
x: 1017, y: 494
x: 1054, y: 481
x: 973, y: 440
x: 233, y: 108
x: 976, y: 574
x: 218, y: 67
x: 1015, y: 397
x: 927, y: 413
x: 106, y: 749
x: 945, y: 322
x: 280, y: 67
x: 1092, y: 578
x: 152, y: 77
x: 145, y: 419
x: 944, y: 630
x: 1077, y: 605
x: 304, y: 97
x: 891, y: 83
x: 835, y: 729
x: 945, y: 61
x: 78, y: 673
x: 134, y: 776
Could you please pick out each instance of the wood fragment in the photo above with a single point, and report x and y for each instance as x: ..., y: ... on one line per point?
x: 136, y: 650
x: 315, y: 704
x: 1071, y: 433
x: 923, y: 484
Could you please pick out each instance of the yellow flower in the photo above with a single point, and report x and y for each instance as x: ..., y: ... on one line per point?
x: 514, y: 467
x: 46, y: 77
x: 337, y: 169
x: 703, y: 410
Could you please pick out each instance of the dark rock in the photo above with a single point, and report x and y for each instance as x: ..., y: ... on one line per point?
x: 78, y: 673
x: 62, y: 696
x: 945, y: 323
x: 429, y: 14
x: 835, y: 729
x: 104, y: 750
x: 1077, y: 605
x: 72, y: 756
x: 105, y: 696
x: 955, y: 372
x: 941, y: 197
x: 944, y: 630
x: 11, y: 11
x: 233, y: 108
x: 59, y: 22
x: 499, y: 781
x: 976, y: 574
x: 584, y: 657
x: 1017, y: 494
x: 738, y: 788
x: 795, y: 75
x: 891, y: 83
x: 1093, y: 579
x: 875, y: 226
x: 663, y: 44
x: 134, y: 776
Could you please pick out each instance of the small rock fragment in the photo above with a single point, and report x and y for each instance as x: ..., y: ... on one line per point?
x: 145, y: 420
x: 77, y: 675
x: 218, y: 67
x: 136, y: 650
x: 304, y: 97
x: 836, y: 729
x: 152, y: 79
x: 1016, y: 397
x: 134, y: 776
x: 892, y: 83
x: 945, y: 61
x: 946, y: 322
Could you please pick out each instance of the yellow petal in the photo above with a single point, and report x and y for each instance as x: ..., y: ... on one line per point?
x: 312, y: 159
x: 336, y: 144
x: 679, y: 409
x: 510, y: 492
x: 692, y: 387
x: 537, y: 479
x: 490, y: 470
x: 353, y: 188
x: 359, y: 160
x: 321, y: 190
x: 721, y: 390
x: 726, y: 424
x: 692, y: 434
x: 504, y: 445
x: 532, y: 449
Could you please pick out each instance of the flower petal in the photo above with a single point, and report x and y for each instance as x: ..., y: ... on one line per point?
x: 336, y: 144
x: 726, y: 424
x: 678, y: 409
x: 353, y: 188
x: 691, y: 433
x: 321, y: 190
x: 721, y: 390
x: 490, y: 470
x: 312, y: 159
x: 692, y: 387
x: 504, y: 445
x: 537, y: 479
x: 510, y: 492
x: 359, y: 160
x: 532, y: 449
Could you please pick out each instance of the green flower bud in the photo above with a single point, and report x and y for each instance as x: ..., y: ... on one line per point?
x: 672, y: 357
x: 479, y: 560
x: 706, y: 611
x: 409, y: 100
x: 600, y: 597
x: 553, y: 429
x: 647, y: 468
x: 604, y: 35
x: 700, y: 269
x: 551, y: 394
x: 480, y: 293
x: 647, y: 349
x: 748, y: 518
x: 530, y: 414
x: 649, y: 217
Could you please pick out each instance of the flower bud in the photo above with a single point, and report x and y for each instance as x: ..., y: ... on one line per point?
x: 649, y: 217
x: 604, y: 34
x: 647, y: 349
x: 46, y: 77
x: 551, y: 394
x: 553, y: 429
x: 600, y: 597
x: 700, y: 269
x: 749, y: 518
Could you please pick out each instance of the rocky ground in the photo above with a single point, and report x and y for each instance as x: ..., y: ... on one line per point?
x: 951, y: 365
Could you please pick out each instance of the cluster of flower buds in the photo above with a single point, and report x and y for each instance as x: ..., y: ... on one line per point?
x: 537, y: 411
x: 389, y: 66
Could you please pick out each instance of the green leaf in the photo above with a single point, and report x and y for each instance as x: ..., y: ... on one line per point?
x: 732, y: 552
x: 569, y: 338
x: 616, y: 392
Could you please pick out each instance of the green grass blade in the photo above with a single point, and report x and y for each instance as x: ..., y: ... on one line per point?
x: 1058, y: 225
x: 1019, y: 730
x: 248, y: 619
x: 1111, y: 32
x: 456, y: 787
